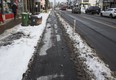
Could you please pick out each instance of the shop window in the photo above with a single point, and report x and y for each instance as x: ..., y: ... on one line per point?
x: 0, y: 7
x: 7, y: 7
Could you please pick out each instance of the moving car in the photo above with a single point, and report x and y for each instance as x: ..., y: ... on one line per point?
x: 110, y: 12
x: 76, y: 10
x: 93, y: 10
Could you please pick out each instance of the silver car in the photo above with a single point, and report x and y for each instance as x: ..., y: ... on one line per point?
x: 110, y: 12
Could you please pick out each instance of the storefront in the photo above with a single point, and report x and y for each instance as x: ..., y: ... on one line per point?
x: 113, y: 4
x: 109, y: 4
x: 5, y: 10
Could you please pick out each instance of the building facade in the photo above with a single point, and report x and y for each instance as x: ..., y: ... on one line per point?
x: 6, y: 10
x: 104, y: 4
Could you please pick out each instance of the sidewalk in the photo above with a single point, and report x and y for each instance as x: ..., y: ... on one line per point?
x: 17, y: 46
x: 9, y: 24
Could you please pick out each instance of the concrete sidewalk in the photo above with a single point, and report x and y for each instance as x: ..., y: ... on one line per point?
x: 9, y: 24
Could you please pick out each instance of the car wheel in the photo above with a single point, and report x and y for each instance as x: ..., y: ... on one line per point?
x: 101, y: 14
x: 72, y: 11
x: 111, y: 16
x: 85, y: 12
x: 92, y: 13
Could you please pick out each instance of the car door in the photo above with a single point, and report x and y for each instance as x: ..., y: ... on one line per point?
x: 108, y: 12
x: 105, y: 13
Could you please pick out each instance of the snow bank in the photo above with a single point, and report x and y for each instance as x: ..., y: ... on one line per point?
x: 14, y: 58
x: 93, y: 63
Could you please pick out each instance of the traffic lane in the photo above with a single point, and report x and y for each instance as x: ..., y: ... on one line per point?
x: 105, y: 30
x: 107, y: 20
x: 104, y: 20
x: 103, y: 46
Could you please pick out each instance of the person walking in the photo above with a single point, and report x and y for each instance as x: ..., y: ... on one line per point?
x: 14, y: 10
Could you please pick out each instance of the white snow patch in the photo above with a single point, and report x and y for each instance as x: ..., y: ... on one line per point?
x: 56, y: 31
x: 94, y: 64
x: 8, y: 32
x: 47, y: 41
x: 14, y: 58
x: 39, y: 16
x: 58, y: 37
x: 55, y: 25
x: 50, y: 77
x: 69, y: 9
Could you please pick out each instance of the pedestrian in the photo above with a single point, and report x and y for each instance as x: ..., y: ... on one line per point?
x: 1, y: 18
x: 14, y: 10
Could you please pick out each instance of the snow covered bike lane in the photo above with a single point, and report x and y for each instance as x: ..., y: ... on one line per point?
x: 52, y: 61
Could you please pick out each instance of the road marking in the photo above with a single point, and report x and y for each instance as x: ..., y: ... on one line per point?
x: 50, y: 77
x: 58, y: 37
x: 99, y: 22
x: 55, y: 25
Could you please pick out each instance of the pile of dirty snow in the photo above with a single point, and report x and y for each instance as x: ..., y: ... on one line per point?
x: 93, y: 63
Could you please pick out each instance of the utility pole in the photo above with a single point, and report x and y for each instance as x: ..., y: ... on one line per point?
x: 2, y: 6
x: 54, y: 4
x: 32, y: 6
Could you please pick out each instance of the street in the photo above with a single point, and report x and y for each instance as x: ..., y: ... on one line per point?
x: 99, y: 33
x: 53, y: 60
x: 57, y: 59
x: 57, y: 39
x: 54, y: 50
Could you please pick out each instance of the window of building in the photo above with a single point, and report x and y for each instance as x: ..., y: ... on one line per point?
x: 0, y: 6
x: 6, y: 6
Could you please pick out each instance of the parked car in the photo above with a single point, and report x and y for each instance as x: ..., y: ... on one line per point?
x: 93, y: 10
x: 76, y: 10
x: 63, y: 8
x: 110, y: 12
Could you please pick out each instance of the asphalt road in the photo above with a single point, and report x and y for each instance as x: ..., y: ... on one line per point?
x: 99, y: 32
x: 53, y: 61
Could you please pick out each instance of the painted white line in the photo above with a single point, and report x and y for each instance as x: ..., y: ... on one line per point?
x: 99, y: 22
x: 56, y: 31
x: 58, y: 37
x: 47, y: 41
x: 55, y: 26
x: 50, y: 77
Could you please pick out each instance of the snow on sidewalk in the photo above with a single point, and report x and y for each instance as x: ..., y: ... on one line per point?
x: 14, y: 58
x: 97, y: 69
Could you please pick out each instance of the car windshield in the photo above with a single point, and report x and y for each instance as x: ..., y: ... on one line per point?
x: 109, y: 9
x: 96, y: 7
x: 90, y: 7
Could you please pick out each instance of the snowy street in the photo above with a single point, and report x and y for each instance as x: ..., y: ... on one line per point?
x: 52, y: 50
x: 53, y: 61
x: 17, y: 46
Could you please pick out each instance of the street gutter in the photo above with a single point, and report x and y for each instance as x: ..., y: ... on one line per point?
x: 91, y: 63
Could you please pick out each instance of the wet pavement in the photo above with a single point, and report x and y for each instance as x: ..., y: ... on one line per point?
x: 52, y: 61
x: 99, y: 32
